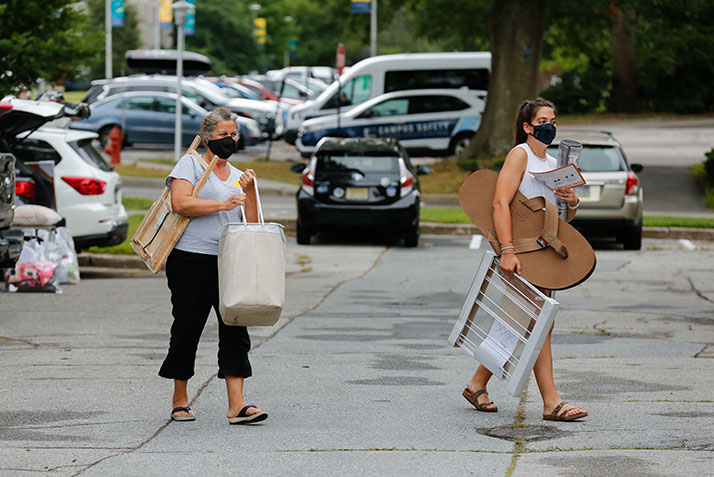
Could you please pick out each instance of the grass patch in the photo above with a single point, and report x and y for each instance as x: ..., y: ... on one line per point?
x: 444, y: 215
x: 135, y: 171
x: 276, y: 171
x: 664, y: 221
x: 134, y: 203
x: 74, y: 96
x: 455, y: 215
x: 446, y: 178
x: 700, y: 173
x: 123, y: 248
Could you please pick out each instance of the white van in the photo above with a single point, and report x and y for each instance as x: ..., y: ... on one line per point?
x: 377, y: 75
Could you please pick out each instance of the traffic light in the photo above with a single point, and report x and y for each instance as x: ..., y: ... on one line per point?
x: 259, y: 31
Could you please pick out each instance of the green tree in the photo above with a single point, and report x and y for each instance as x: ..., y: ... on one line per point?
x: 41, y: 39
x: 224, y: 34
x: 123, y: 38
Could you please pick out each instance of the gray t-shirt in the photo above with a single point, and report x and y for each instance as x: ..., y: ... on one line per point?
x: 203, y: 231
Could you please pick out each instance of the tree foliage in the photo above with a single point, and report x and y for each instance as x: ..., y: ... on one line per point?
x: 224, y: 34
x: 41, y: 39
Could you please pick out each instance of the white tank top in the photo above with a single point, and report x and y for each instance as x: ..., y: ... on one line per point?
x: 530, y: 186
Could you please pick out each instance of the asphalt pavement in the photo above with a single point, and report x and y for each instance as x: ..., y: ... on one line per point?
x: 358, y: 376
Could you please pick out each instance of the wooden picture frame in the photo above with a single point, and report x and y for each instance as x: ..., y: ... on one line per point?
x: 161, y: 228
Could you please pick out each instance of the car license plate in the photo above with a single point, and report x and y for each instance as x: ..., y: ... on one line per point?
x: 582, y: 191
x: 357, y: 193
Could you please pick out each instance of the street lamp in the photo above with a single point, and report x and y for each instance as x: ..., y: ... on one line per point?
x: 286, y: 57
x: 180, y: 11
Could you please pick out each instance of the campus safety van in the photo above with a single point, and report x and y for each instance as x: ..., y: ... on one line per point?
x: 377, y: 75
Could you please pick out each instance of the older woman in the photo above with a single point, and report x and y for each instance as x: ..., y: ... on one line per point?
x: 192, y: 268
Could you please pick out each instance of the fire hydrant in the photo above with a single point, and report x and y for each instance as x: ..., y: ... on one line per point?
x: 113, y: 147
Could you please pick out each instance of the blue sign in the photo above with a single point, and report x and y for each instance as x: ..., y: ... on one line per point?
x: 117, y: 13
x: 361, y: 6
x: 189, y: 27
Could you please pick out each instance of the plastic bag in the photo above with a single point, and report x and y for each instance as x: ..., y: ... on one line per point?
x: 33, y: 272
x: 46, y: 260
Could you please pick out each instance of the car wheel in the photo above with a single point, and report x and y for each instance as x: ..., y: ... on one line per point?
x: 303, y: 234
x: 411, y: 238
x: 460, y: 142
x: 632, y: 238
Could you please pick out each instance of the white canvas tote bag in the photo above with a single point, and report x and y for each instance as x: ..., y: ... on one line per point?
x: 251, y: 271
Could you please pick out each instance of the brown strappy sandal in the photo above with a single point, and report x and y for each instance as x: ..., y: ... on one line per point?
x: 473, y: 399
x: 560, y: 411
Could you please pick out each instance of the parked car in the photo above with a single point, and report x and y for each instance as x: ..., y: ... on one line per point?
x: 10, y: 239
x: 426, y: 122
x: 202, y: 92
x: 81, y: 186
x: 611, y: 203
x: 359, y: 182
x: 263, y: 93
x: 150, y: 118
x: 88, y: 193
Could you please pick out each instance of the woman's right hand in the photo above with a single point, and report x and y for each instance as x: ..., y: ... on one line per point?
x: 234, y: 201
x: 510, y: 263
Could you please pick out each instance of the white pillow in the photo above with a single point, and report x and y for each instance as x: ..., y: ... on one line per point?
x: 35, y: 216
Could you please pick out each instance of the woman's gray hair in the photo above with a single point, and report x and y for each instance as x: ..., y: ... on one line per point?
x: 209, y: 122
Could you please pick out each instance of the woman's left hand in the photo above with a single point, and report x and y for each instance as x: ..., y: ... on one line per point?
x: 247, y: 180
x: 567, y: 195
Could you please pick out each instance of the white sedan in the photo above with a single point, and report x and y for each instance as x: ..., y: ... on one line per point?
x: 426, y: 122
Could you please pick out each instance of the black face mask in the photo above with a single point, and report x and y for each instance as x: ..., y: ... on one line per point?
x: 223, y: 148
x: 545, y: 133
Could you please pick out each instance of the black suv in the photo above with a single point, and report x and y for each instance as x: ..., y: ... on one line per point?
x: 359, y: 182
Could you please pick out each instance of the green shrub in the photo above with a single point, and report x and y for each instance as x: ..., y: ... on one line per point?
x: 709, y: 167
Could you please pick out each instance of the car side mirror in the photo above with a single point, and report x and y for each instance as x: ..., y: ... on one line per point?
x: 423, y: 170
x: 367, y: 114
x: 298, y: 168
x: 636, y: 168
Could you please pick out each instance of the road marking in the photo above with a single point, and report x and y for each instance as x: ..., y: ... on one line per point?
x: 475, y: 243
x: 687, y: 244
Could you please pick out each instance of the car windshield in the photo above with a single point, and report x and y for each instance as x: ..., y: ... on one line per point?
x: 597, y: 158
x: 358, y: 163
x: 89, y: 154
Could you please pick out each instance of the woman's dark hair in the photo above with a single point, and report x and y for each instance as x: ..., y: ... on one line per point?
x: 526, y: 113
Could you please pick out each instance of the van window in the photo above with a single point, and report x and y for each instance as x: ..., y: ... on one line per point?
x: 356, y: 91
x: 476, y: 79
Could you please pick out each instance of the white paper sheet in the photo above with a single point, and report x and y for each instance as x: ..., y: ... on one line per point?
x: 499, y: 343
x: 567, y: 176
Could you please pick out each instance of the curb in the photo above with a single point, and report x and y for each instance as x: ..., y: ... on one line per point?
x: 87, y: 259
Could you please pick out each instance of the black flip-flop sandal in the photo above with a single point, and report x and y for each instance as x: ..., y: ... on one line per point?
x: 243, y: 418
x: 185, y: 409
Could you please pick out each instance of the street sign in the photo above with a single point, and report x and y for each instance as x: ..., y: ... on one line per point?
x: 166, y: 15
x: 117, y: 13
x: 361, y: 6
x: 189, y: 27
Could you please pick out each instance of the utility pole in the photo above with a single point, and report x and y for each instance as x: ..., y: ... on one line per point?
x: 373, y: 28
x: 108, y: 39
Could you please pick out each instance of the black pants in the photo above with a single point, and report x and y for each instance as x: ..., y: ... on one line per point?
x: 193, y: 281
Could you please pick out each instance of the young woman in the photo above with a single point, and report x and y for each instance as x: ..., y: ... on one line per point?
x: 192, y: 268
x: 535, y: 130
